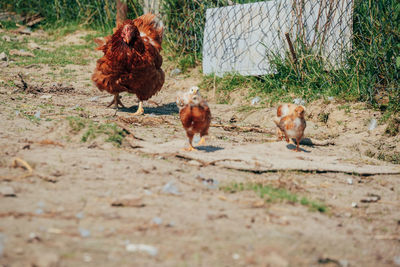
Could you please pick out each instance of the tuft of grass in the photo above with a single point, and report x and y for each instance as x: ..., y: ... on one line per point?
x: 93, y: 129
x: 8, y: 25
x: 272, y: 194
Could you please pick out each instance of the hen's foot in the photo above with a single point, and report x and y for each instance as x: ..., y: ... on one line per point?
x: 202, y: 141
x: 189, y: 148
x: 116, y: 101
x: 140, y: 110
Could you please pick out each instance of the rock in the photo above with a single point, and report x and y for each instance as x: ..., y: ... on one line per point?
x: 354, y: 204
x: 350, y: 181
x: 175, y: 72
x: 33, y: 46
x: 372, y: 124
x: 46, y: 96
x: 170, y: 188
x: 6, y: 38
x: 79, y: 215
x: 235, y: 256
x: 84, y: 232
x: 46, y: 259
x: 21, y: 53
x: 87, y: 257
x: 299, y: 101
x: 7, y: 191
x: 396, y: 260
x: 151, y: 250
x: 94, y: 99
x: 274, y: 259
x: 331, y: 98
x: 2, y: 239
x: 371, y: 198
x: 3, y: 57
x: 128, y: 201
x: 255, y: 100
x: 157, y: 220
x: 37, y: 114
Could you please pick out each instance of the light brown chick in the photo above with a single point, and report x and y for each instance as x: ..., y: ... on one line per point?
x: 282, y: 111
x: 195, y: 116
x: 293, y: 125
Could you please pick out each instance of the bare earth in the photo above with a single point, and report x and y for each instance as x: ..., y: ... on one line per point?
x: 92, y: 203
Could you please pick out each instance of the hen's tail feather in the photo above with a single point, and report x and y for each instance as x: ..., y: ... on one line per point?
x: 151, y: 26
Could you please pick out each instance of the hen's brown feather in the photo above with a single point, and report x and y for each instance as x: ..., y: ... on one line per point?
x: 134, y: 67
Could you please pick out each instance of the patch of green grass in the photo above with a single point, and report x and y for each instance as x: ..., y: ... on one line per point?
x: 8, y: 25
x: 272, y: 194
x: 247, y: 108
x: 61, y: 56
x: 346, y: 108
x: 93, y: 129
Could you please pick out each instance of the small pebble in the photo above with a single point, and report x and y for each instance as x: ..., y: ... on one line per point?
x: 255, y: 100
x: 354, y: 204
x: 37, y: 114
x: 235, y: 256
x: 299, y: 101
x: 175, y: 71
x: 79, y: 215
x: 372, y: 124
x: 7, y: 191
x: 87, y: 258
x: 396, y: 260
x: 84, y: 232
x: 46, y: 96
x: 157, y: 220
x: 151, y: 250
x: 3, y: 57
x: 350, y: 181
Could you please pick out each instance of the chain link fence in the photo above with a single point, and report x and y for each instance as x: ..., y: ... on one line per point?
x: 356, y: 42
x: 240, y: 38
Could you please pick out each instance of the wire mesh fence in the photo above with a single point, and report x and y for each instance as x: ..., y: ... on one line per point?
x: 240, y: 38
x: 354, y: 43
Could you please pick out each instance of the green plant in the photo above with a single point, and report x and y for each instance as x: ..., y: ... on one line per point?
x: 92, y: 129
x: 272, y: 194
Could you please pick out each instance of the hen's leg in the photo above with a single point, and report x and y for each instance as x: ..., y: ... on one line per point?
x: 190, y: 147
x: 140, y: 109
x: 202, y: 139
x: 116, y: 101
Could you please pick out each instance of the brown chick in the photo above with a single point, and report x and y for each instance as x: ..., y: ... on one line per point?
x: 293, y: 125
x: 195, y: 116
x: 282, y: 111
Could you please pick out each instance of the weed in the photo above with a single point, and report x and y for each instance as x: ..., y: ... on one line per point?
x: 272, y: 194
x: 323, y: 117
x: 92, y: 129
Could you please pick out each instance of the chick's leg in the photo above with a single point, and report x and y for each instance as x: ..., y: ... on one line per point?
x: 298, y: 143
x: 116, y: 101
x: 140, y: 109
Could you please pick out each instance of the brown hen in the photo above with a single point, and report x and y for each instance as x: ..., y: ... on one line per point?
x: 132, y: 60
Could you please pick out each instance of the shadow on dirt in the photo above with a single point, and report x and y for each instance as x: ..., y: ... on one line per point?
x: 292, y: 147
x: 165, y: 109
x: 209, y: 148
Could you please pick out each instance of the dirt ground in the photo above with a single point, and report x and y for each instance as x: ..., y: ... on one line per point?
x: 89, y: 202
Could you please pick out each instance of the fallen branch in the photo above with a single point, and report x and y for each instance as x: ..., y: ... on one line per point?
x: 20, y: 162
x: 241, y: 128
x: 206, y: 163
x: 126, y: 128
